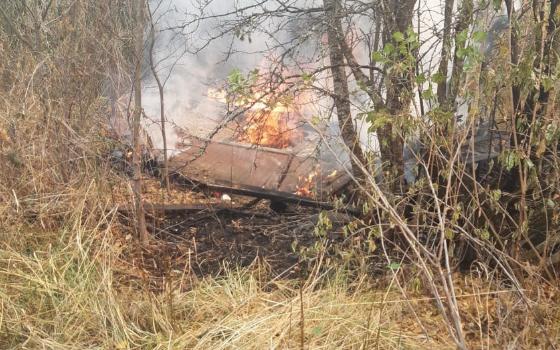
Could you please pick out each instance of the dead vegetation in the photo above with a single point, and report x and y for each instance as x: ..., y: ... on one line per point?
x: 82, y: 287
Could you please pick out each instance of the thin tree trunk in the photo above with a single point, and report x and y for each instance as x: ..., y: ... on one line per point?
x: 465, y: 19
x: 445, y: 52
x: 340, y: 85
x: 514, y: 54
x: 165, y: 172
x: 137, y: 151
x: 398, y: 18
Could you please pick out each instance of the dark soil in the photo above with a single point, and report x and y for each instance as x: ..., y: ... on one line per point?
x: 207, y: 242
x: 216, y: 239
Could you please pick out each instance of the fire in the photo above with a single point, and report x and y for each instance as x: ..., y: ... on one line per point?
x: 268, y: 127
x: 266, y: 123
x: 307, y: 184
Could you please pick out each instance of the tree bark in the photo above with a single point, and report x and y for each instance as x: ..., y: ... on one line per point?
x: 465, y: 19
x: 142, y: 232
x: 341, y: 94
x: 398, y: 18
x: 165, y: 170
x: 445, y: 52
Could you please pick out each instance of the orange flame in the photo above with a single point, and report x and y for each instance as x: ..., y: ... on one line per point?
x: 307, y: 184
x: 266, y: 123
x: 268, y: 127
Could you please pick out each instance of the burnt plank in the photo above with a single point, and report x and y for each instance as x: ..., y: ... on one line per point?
x: 252, y: 191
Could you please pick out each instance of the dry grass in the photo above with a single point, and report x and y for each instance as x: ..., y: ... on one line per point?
x: 59, y: 291
x: 62, y: 290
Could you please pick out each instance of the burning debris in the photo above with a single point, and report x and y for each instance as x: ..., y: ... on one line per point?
x: 307, y: 184
x: 265, y: 169
x: 269, y: 128
x: 269, y: 147
x: 265, y: 122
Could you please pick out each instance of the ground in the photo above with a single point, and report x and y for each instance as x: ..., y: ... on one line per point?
x: 263, y: 270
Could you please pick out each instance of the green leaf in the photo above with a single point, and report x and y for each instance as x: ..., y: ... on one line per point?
x: 394, y: 266
x: 420, y: 79
x: 377, y: 56
x: 449, y: 234
x: 315, y: 120
x: 462, y: 37
x: 411, y: 37
x: 235, y: 75
x: 427, y: 94
x: 496, y: 194
x: 485, y: 234
x: 398, y: 36
x: 410, y: 32
x: 479, y: 36
x: 550, y: 133
x: 388, y: 49
x: 547, y: 84
x: 438, y: 78
x: 378, y: 120
x: 510, y: 159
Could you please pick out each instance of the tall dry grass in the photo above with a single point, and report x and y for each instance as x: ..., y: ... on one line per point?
x: 60, y: 290
x: 62, y: 65
x: 66, y: 289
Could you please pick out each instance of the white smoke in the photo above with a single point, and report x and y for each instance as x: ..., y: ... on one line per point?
x: 196, y: 57
x: 192, y: 58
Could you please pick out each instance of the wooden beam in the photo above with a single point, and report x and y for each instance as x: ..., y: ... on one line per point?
x: 252, y: 191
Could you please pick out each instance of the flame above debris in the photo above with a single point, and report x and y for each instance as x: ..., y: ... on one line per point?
x: 272, y: 119
x: 265, y: 123
x: 307, y: 184
x: 268, y: 127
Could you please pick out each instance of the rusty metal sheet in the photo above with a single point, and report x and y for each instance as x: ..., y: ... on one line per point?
x: 235, y: 164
